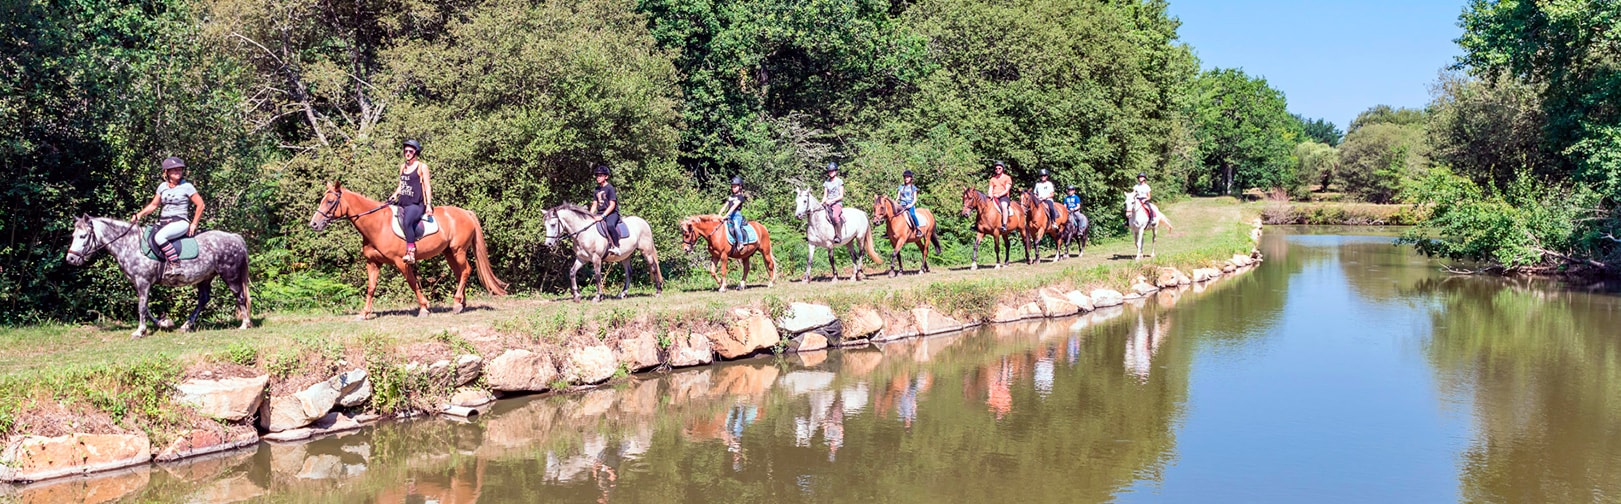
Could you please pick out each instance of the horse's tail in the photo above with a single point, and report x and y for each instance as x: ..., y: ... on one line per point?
x: 934, y: 237
x: 866, y: 243
x: 486, y: 275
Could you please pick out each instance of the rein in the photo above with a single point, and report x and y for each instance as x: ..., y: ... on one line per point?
x: 104, y: 243
x: 327, y: 212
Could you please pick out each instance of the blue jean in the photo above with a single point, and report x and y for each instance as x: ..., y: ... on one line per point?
x: 912, y: 212
x: 735, y: 223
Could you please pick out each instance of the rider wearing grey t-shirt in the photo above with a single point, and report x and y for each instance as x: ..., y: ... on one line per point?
x: 176, y: 197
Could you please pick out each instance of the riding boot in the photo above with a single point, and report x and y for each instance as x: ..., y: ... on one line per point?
x: 410, y: 253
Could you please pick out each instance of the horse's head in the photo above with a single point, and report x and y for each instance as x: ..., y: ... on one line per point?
x: 969, y: 198
x: 689, y: 235
x: 329, y: 207
x: 85, y: 241
x: 880, y: 207
x: 802, y: 202
x: 554, y: 227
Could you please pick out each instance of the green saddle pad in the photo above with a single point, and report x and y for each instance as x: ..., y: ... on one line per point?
x: 188, y: 245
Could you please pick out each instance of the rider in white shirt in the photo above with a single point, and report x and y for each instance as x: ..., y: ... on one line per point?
x: 1044, y: 194
x: 1144, y: 194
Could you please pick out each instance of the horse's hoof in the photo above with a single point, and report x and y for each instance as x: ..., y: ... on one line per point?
x: 422, y: 312
x: 165, y: 323
x: 138, y: 334
x: 622, y: 295
x: 457, y: 308
x: 362, y: 317
x: 187, y: 327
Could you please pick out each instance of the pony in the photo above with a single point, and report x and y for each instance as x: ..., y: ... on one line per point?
x: 459, y: 231
x: 1037, y: 225
x: 220, y: 254
x: 819, y: 233
x: 590, y: 246
x: 899, y: 231
x: 1078, y: 231
x: 711, y: 229
x: 988, y: 221
x: 1137, y: 219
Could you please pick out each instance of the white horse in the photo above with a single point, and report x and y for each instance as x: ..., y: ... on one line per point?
x: 820, y: 233
x: 1137, y: 218
x: 576, y: 222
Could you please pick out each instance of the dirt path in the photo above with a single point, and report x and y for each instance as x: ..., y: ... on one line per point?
x: 27, y: 350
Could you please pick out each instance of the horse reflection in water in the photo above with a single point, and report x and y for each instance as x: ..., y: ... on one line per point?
x: 1144, y: 343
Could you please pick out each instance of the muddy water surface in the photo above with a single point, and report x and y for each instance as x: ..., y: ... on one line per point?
x: 1343, y: 369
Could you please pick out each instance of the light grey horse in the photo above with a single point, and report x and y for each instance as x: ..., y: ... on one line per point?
x: 219, y: 254
x: 819, y: 233
x: 1137, y: 218
x: 577, y: 223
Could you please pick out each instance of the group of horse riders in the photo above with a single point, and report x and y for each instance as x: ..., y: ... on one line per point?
x: 182, y: 206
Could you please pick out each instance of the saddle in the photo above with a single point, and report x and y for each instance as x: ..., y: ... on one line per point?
x: 188, y: 245
x: 425, y: 227
x: 749, y: 235
x: 624, y: 231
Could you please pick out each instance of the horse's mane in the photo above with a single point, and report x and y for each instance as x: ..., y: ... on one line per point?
x: 694, y: 219
x: 572, y: 208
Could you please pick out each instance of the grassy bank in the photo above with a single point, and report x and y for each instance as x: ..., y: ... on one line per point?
x: 99, y: 372
x: 1338, y: 214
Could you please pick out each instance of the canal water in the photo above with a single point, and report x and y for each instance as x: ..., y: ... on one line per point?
x: 1344, y: 369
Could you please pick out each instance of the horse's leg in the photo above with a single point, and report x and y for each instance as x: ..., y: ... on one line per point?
x: 239, y: 286
x: 743, y: 283
x: 831, y: 266
x: 652, y: 258
x: 895, y: 266
x: 720, y: 278
x: 202, y: 302
x: 459, y: 266
x: 1153, y: 241
x: 142, y: 289
x: 855, y: 259
x: 601, y: 281
x: 771, y: 267
x: 410, y: 273
x: 1139, y: 236
x: 372, y: 271
x: 573, y: 282
x: 714, y: 271
x: 625, y: 291
x: 975, y: 256
x: 810, y: 258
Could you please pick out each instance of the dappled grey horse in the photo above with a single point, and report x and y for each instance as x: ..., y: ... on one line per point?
x: 819, y: 233
x: 590, y: 246
x: 219, y: 254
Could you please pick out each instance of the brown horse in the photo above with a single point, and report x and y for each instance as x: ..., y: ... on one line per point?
x: 1039, y: 224
x: 900, y: 232
x: 711, y: 229
x: 459, y: 231
x: 989, y: 222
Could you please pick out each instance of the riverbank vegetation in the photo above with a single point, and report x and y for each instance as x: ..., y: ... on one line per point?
x: 514, y: 101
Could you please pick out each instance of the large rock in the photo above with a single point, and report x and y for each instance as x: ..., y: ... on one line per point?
x: 1055, y: 304
x: 690, y: 349
x: 206, y: 441
x: 230, y: 399
x: 1080, y: 300
x: 1241, y: 260
x: 807, y: 342
x: 1143, y: 289
x: 471, y: 398
x: 590, y: 364
x: 803, y: 317
x: 33, y: 458
x: 639, y: 352
x: 1006, y: 314
x: 1205, y: 274
x: 749, y: 332
x: 930, y: 321
x: 1170, y: 277
x: 293, y: 411
x: 862, y: 323
x: 468, y: 367
x: 360, y: 393
x: 1103, y: 298
x: 520, y: 371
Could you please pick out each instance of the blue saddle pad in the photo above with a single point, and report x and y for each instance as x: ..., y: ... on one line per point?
x: 749, y: 235
x: 188, y: 245
x: 624, y: 231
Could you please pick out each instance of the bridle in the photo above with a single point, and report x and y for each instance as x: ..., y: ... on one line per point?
x: 326, y: 211
x: 102, y: 244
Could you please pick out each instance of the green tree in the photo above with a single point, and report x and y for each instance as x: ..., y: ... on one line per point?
x: 1245, y: 132
x: 1491, y: 131
x: 1317, y: 163
x: 1376, y: 159
x: 1385, y: 114
x: 1321, y: 130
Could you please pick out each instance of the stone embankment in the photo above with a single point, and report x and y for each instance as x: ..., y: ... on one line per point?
x: 253, y: 409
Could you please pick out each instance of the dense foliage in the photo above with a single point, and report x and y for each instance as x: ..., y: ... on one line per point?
x: 514, y: 100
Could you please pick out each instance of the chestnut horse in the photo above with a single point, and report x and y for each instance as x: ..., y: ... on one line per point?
x: 711, y: 229
x: 459, y: 231
x: 899, y: 231
x: 1039, y: 224
x: 988, y: 221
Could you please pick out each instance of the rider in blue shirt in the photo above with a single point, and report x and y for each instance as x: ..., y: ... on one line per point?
x: 1072, y: 201
x: 906, y: 196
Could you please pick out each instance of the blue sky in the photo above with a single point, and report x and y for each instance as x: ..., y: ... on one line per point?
x: 1331, y: 59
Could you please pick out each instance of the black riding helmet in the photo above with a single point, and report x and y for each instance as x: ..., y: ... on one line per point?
x: 737, y: 181
x: 998, y: 164
x: 1043, y: 172
x: 414, y: 145
x: 173, y: 162
x: 1142, y: 175
x: 1071, y: 188
x: 906, y: 173
x: 832, y: 167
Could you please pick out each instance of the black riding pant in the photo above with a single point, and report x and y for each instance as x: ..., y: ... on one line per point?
x: 410, y: 215
x: 611, y: 222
